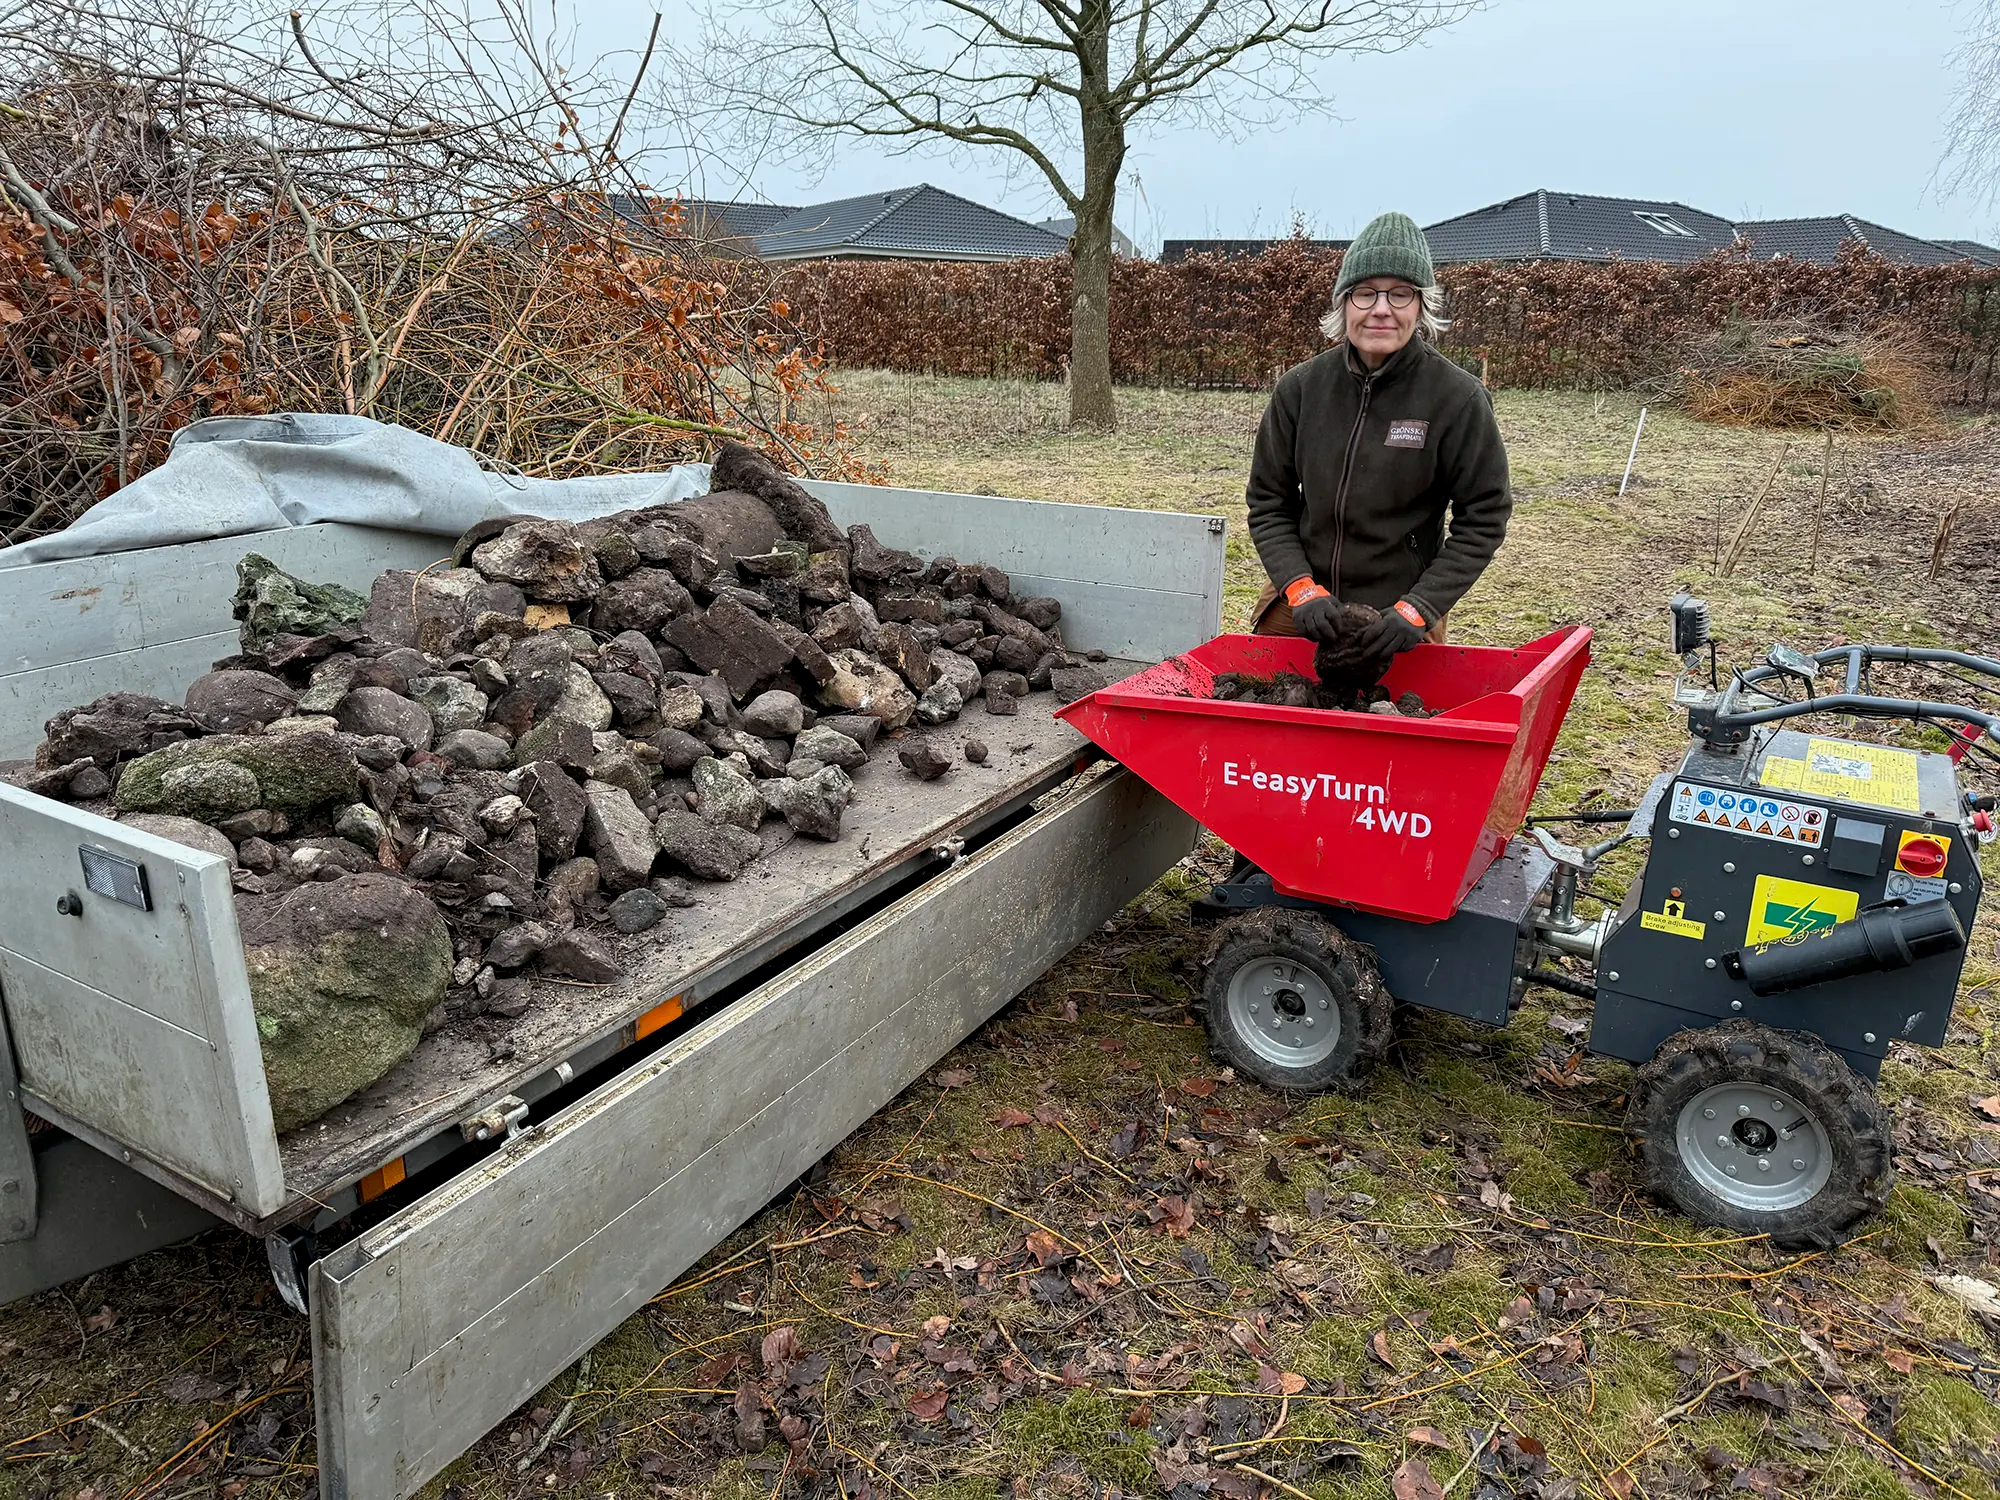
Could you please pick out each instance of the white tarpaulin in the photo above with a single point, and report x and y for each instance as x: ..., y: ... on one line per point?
x: 229, y: 476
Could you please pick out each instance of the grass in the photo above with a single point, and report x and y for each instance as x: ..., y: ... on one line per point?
x: 1473, y: 1215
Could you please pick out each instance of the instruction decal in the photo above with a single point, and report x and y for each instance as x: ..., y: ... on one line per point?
x: 1851, y: 772
x: 1672, y: 918
x: 1784, y: 911
x: 1776, y: 818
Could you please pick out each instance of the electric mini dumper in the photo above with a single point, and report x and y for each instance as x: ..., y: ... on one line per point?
x: 1805, y: 899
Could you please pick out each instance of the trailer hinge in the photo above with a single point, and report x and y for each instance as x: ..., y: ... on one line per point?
x: 504, y: 1116
x: 951, y: 851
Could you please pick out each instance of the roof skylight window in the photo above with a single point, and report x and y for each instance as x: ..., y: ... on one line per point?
x: 1663, y: 223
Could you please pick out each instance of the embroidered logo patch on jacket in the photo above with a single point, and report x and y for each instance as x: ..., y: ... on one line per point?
x: 1407, y: 432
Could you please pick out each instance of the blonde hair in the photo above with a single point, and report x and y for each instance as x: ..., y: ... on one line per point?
x: 1431, y: 321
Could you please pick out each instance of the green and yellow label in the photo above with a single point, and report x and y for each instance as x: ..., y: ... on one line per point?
x: 1672, y: 918
x: 1783, y: 911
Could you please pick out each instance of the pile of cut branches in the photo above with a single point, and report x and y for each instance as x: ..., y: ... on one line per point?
x: 1798, y: 374
x: 198, y: 224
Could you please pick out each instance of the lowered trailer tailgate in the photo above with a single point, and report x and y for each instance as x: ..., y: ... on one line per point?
x: 431, y: 1327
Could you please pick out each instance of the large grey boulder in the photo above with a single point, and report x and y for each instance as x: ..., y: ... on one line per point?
x: 342, y: 975
x: 294, y: 773
x: 118, y: 726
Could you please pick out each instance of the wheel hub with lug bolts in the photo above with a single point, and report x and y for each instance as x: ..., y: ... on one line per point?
x: 1284, y: 1010
x: 1740, y: 1164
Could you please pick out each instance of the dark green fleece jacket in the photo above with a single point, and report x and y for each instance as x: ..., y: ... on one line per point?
x: 1356, y: 472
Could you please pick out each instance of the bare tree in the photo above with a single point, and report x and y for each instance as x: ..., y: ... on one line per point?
x: 1058, y: 84
x: 1971, y: 161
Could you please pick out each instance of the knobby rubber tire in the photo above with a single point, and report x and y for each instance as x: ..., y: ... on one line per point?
x: 1346, y: 967
x: 1792, y: 1062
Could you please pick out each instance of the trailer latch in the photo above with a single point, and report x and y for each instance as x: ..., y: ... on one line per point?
x: 951, y: 851
x: 504, y: 1116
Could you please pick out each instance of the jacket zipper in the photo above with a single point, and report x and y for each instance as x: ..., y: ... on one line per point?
x: 1346, y: 472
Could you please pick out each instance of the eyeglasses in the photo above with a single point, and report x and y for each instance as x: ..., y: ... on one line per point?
x: 1365, y: 297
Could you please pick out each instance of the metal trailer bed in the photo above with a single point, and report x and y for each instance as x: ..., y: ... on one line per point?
x: 469, y: 1225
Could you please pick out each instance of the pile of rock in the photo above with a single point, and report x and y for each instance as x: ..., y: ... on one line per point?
x: 430, y: 793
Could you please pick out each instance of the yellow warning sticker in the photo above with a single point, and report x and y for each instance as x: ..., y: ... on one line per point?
x: 1784, y: 911
x: 1673, y: 918
x: 1844, y: 769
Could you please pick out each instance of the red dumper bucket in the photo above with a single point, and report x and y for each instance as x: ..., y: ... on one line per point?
x: 1387, y: 814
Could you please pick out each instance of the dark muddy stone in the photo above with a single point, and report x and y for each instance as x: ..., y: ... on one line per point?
x: 643, y: 601
x: 635, y: 911
x: 924, y: 760
x: 709, y: 851
x: 558, y: 805
x: 230, y: 702
x: 116, y: 727
x: 812, y: 806
x: 476, y: 750
x: 802, y: 515
x: 898, y: 649
x: 861, y: 728
x: 875, y: 563
x: 580, y: 955
x: 557, y: 739
x: 728, y: 639
x: 545, y: 559
x: 377, y: 711
x: 1042, y: 613
x: 513, y: 948
x: 975, y: 751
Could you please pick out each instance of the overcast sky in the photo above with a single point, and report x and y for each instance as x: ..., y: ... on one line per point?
x: 1744, y: 108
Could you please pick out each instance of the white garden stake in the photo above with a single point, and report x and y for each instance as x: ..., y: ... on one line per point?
x: 1635, y: 451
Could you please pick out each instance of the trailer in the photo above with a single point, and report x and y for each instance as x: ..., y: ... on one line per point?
x: 465, y: 1228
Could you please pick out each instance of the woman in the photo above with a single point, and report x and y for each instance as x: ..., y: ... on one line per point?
x: 1379, y: 476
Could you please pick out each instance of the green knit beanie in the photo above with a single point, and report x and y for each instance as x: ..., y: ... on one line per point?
x: 1391, y: 245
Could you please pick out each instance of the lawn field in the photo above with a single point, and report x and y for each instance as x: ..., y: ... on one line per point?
x: 1079, y: 1260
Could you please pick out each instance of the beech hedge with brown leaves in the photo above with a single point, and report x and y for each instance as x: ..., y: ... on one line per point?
x: 1238, y: 323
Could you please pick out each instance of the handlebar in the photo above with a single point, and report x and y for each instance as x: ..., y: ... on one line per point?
x: 1730, y: 724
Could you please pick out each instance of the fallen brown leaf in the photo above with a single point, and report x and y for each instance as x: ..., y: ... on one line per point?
x: 1989, y: 1106
x: 928, y: 1406
x: 101, y: 1320
x: 1010, y: 1117
x: 1430, y: 1437
x: 1199, y: 1088
x: 953, y: 1078
x: 1044, y: 1246
x: 1378, y: 1346
x: 1412, y: 1481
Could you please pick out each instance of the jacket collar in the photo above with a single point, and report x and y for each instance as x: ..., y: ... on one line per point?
x: 1394, y: 367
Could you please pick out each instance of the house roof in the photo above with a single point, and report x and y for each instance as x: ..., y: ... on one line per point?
x: 1063, y: 228
x: 1986, y: 255
x: 703, y: 219
x: 1176, y: 250
x: 1547, y: 225
x: 1818, y: 241
x: 918, y: 223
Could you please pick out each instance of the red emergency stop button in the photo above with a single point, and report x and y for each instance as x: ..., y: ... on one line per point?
x: 1923, y: 854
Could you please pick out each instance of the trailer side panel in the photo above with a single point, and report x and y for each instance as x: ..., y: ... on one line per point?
x: 430, y: 1328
